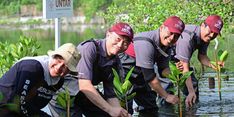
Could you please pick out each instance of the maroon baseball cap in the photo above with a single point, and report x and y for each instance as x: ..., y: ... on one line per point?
x: 174, y: 24
x: 122, y: 29
x: 215, y: 23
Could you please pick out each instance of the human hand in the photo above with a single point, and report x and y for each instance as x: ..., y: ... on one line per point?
x: 118, y: 112
x: 190, y: 99
x: 172, y: 99
x: 213, y: 65
x: 125, y: 113
x: 179, y: 66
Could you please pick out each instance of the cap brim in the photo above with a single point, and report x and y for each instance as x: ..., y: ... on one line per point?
x: 70, y: 67
x: 174, y: 30
x: 50, y: 52
x: 124, y: 34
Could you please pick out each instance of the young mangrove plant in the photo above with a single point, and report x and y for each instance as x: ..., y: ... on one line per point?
x: 10, y: 53
x: 123, y: 88
x: 65, y: 101
x: 220, y: 57
x: 178, y: 79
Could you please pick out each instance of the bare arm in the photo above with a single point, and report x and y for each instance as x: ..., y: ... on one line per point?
x: 191, y: 98
x: 204, y: 59
x: 91, y: 93
x: 156, y: 86
x: 189, y: 83
x: 113, y: 102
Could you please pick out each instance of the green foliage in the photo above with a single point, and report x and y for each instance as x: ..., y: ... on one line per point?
x: 26, y: 2
x: 149, y: 14
x: 63, y: 98
x: 222, y: 56
x: 65, y: 101
x: 145, y: 15
x: 10, y: 53
x: 12, y: 8
x: 176, y: 77
x: 90, y: 7
x: 123, y: 90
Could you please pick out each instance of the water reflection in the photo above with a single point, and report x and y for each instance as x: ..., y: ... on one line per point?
x: 45, y: 34
x: 209, y: 104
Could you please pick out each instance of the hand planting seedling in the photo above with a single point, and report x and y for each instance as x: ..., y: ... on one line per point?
x: 123, y: 89
x: 218, y: 66
x: 65, y: 101
x: 178, y: 79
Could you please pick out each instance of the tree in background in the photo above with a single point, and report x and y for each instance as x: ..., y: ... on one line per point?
x: 149, y: 14
x: 90, y: 7
x: 10, y: 53
x: 146, y: 15
x: 12, y: 7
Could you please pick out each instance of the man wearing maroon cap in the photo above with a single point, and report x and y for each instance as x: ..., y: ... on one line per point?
x: 98, y: 57
x: 196, y: 38
x: 149, y: 48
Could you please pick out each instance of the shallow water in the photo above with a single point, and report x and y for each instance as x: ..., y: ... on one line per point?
x: 209, y: 104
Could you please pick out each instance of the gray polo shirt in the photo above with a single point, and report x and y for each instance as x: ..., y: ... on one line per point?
x: 96, y: 66
x: 146, y: 54
x: 190, y: 42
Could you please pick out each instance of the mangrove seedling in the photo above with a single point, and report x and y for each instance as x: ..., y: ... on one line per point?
x: 123, y: 89
x: 178, y: 79
x: 65, y: 101
x: 220, y: 57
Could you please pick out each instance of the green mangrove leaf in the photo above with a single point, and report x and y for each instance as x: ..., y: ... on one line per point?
x: 131, y: 96
x: 224, y: 56
x: 129, y: 73
x: 116, y: 81
x: 129, y: 91
x: 119, y: 95
x: 184, y: 77
x: 61, y: 100
x: 172, y: 89
x: 186, y: 74
x: 213, y: 63
x: 172, y: 78
x: 67, y: 94
x: 126, y: 86
x: 182, y: 83
x: 122, y: 103
x: 173, y: 69
x: 219, y: 53
x: 72, y: 101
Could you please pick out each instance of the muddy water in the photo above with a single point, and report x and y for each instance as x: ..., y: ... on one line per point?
x: 209, y: 104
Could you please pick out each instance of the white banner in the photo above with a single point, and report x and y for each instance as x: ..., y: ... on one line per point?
x: 57, y: 8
